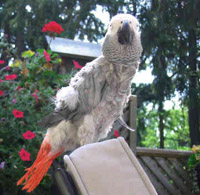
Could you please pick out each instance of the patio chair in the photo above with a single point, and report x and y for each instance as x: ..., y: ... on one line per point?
x: 104, y: 168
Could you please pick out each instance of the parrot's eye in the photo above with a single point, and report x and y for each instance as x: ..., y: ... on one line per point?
x: 130, y: 22
x: 121, y: 22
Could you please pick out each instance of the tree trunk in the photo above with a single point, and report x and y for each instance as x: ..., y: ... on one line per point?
x: 193, y: 105
x: 162, y: 80
x: 20, y: 41
x: 161, y: 123
x: 5, y: 55
x: 134, y: 8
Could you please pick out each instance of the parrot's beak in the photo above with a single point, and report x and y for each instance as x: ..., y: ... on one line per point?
x: 125, y: 34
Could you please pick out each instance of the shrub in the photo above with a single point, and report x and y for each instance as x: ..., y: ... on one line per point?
x: 194, y: 167
x: 26, y: 90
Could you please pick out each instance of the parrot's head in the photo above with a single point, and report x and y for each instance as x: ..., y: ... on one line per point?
x: 122, y: 41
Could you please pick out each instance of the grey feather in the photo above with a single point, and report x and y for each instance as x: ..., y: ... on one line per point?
x: 103, y: 88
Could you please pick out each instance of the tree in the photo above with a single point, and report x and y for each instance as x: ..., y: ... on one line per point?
x: 22, y: 21
x: 193, y: 92
x: 170, y: 37
x: 154, y: 27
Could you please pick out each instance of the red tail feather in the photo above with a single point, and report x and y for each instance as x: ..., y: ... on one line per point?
x: 39, y: 168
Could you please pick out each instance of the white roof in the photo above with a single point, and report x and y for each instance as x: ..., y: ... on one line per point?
x: 68, y: 47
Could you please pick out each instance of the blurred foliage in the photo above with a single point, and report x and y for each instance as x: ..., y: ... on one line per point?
x: 32, y: 93
x: 194, y: 159
x: 176, y: 131
x: 23, y: 20
x: 170, y: 37
x: 194, y: 167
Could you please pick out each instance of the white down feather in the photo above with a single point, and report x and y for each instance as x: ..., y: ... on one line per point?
x: 66, y: 97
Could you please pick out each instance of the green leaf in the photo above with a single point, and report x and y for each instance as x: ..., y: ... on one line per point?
x: 27, y: 54
x: 40, y: 51
x: 192, y: 162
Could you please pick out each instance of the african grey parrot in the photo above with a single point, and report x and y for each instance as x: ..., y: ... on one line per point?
x: 86, y: 109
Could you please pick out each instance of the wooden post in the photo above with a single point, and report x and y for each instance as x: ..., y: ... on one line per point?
x: 63, y: 66
x: 132, y: 122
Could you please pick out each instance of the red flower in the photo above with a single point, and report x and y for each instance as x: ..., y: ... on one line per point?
x: 1, y: 93
x: 47, y: 56
x: 77, y: 65
x: 18, y: 114
x: 25, y: 156
x: 1, y: 80
x: 52, y: 27
x: 35, y: 95
x: 28, y: 135
x: 2, y: 61
x: 11, y: 77
x: 19, y: 88
x: 7, y: 68
x: 116, y: 133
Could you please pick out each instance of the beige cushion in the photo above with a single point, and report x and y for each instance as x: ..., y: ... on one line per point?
x: 108, y: 168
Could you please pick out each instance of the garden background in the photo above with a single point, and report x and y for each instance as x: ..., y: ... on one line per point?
x: 170, y: 32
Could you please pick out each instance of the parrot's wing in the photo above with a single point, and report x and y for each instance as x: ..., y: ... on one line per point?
x: 90, y: 83
x: 57, y: 116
